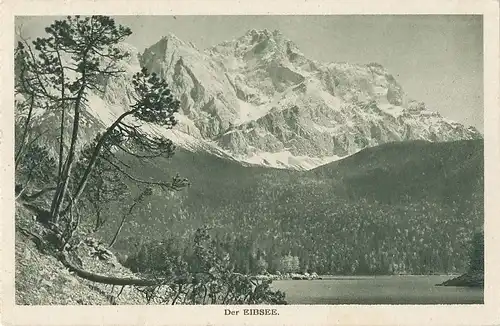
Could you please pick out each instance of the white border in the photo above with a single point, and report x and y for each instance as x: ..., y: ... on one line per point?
x: 486, y: 314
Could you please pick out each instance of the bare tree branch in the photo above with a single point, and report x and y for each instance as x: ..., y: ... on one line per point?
x: 177, y: 184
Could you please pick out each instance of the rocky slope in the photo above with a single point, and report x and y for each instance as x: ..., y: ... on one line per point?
x: 41, y: 279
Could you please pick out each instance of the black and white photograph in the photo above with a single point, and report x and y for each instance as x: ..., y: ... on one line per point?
x: 249, y: 160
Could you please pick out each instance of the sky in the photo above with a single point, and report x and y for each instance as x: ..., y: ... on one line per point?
x: 437, y: 59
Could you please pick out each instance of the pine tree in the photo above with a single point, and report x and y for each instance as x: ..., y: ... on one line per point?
x: 476, y: 263
x: 70, y: 61
x: 62, y: 69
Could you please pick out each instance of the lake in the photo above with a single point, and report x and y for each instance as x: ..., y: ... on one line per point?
x: 394, y: 289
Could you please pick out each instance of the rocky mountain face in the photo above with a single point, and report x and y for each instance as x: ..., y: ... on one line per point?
x: 259, y: 100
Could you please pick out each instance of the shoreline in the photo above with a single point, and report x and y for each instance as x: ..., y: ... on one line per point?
x: 469, y: 279
x: 305, y: 277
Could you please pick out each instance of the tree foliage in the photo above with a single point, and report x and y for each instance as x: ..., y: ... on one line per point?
x: 35, y: 168
x: 209, y: 277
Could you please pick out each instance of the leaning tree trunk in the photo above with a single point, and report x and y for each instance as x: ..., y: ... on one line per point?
x: 102, y: 278
x: 62, y: 186
x: 115, y: 237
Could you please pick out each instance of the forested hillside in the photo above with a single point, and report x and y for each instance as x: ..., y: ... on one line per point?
x: 398, y: 208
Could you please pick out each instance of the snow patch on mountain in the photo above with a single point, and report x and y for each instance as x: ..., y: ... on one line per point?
x: 249, y: 111
x: 286, y: 160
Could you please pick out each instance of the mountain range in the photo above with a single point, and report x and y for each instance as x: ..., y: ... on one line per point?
x: 259, y: 100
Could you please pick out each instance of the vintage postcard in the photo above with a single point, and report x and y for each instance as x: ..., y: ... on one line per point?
x: 227, y: 163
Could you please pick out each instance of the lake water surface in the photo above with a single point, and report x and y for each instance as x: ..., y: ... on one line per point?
x: 407, y: 289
